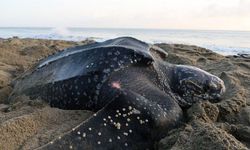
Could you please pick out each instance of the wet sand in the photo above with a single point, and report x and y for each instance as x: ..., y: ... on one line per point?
x: 27, y: 124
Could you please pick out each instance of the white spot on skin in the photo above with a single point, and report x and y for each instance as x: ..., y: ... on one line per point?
x: 110, y: 140
x: 130, y: 131
x: 128, y: 119
x: 84, y: 135
x: 99, y: 142
x: 135, y: 111
x: 106, y: 70
x: 118, y: 125
x: 141, y: 122
x: 90, y: 129
x: 70, y: 147
x: 99, y: 133
x: 126, y: 144
x: 125, y: 133
x: 79, y: 132
x: 118, y: 137
x: 105, y: 124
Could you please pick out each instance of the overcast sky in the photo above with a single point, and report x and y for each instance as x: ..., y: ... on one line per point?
x: 169, y: 14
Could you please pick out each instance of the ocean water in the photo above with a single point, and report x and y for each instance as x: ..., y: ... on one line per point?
x: 223, y: 42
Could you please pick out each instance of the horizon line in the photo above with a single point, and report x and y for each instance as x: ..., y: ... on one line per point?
x: 136, y: 28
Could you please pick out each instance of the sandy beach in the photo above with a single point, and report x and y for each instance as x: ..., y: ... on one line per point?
x: 28, y: 124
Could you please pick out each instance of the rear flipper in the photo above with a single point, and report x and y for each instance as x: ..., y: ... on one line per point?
x: 129, y: 121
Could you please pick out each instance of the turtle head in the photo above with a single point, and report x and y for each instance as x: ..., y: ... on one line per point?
x: 193, y: 84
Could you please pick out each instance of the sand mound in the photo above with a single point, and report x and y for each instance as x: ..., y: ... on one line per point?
x: 28, y: 124
x: 33, y: 129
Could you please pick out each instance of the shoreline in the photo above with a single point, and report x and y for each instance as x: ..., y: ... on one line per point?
x: 217, y: 49
x: 28, y: 124
x: 223, y: 42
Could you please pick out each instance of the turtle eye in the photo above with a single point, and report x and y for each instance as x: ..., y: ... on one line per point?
x: 193, y: 85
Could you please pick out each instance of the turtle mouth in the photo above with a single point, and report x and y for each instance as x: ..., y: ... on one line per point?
x: 192, y: 98
x: 214, y: 97
x: 210, y: 93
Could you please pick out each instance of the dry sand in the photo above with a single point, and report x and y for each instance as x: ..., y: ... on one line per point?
x: 27, y: 124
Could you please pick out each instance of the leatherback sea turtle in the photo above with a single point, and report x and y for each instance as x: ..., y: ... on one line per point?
x: 137, y: 97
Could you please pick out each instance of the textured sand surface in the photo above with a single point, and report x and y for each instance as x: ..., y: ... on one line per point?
x: 27, y: 124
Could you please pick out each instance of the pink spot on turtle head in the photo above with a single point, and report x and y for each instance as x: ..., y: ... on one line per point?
x: 116, y: 85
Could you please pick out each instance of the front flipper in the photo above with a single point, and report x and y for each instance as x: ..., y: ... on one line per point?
x: 130, y: 121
